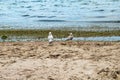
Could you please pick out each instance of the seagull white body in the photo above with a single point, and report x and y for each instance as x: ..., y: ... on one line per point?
x: 70, y: 37
x: 50, y: 37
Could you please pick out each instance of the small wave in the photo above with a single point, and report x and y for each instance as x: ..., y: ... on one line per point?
x: 38, y: 16
x: 26, y: 15
x: 13, y: 3
x: 2, y: 14
x: 42, y: 16
x: 100, y: 10
x: 85, y: 4
x: 99, y: 17
x: 113, y: 10
x: 51, y: 16
x: 37, y: 1
x: 51, y: 20
x: 29, y: 7
x: 23, y: 1
x: 104, y: 21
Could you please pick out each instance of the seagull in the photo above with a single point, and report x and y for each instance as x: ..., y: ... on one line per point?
x: 70, y: 37
x: 50, y: 38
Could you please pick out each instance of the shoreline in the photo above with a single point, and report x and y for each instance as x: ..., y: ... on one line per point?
x: 59, y: 35
x: 78, y: 39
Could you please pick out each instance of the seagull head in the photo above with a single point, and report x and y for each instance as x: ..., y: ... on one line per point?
x: 50, y: 33
x: 70, y: 34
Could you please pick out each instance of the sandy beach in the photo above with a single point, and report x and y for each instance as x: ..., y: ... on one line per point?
x: 70, y: 60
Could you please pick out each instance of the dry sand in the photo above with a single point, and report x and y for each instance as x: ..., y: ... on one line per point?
x: 61, y: 61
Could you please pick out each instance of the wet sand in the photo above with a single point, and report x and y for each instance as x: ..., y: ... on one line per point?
x: 60, y: 61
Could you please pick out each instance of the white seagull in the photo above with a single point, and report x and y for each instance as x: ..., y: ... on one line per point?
x: 70, y: 37
x: 50, y: 38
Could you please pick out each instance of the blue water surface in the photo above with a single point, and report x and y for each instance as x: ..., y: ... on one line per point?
x: 57, y: 13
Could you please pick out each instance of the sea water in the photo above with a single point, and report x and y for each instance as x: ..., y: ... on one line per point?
x: 38, y: 14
